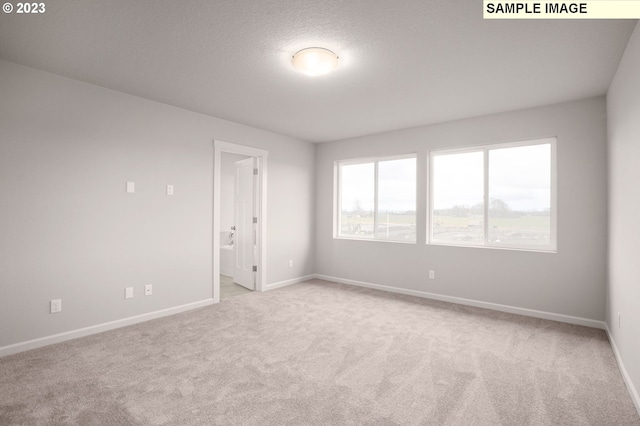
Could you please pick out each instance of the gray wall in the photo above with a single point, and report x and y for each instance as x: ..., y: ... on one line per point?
x: 570, y: 282
x: 69, y: 230
x: 623, y: 296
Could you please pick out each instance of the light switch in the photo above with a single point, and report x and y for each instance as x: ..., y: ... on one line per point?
x: 169, y: 189
x: 131, y: 187
x: 128, y: 292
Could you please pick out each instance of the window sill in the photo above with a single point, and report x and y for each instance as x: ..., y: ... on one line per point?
x: 482, y: 246
x: 375, y: 240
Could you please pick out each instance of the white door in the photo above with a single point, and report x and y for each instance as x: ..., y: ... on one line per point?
x: 244, y: 250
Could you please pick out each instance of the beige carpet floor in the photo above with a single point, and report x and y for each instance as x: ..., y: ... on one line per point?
x: 323, y: 353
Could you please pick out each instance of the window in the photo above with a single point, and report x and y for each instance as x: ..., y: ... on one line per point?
x: 495, y: 196
x: 376, y: 199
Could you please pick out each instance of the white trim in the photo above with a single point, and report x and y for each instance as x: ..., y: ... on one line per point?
x: 485, y: 199
x: 470, y: 302
x: 376, y: 189
x: 365, y: 160
x: 292, y: 281
x: 99, y: 328
x: 494, y: 145
x: 233, y: 148
x: 376, y: 240
x: 480, y: 246
x: 633, y: 392
x: 261, y: 261
x: 554, y: 195
x: 337, y: 204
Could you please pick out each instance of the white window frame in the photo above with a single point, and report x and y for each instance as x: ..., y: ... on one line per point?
x: 337, y: 209
x: 552, y: 248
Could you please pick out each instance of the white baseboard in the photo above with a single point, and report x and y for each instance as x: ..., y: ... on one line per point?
x: 292, y: 281
x: 470, y: 302
x: 623, y: 370
x: 99, y: 328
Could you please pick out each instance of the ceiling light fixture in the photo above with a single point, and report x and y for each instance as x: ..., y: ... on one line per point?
x: 315, y: 61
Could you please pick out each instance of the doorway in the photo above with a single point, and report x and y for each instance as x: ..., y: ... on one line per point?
x: 237, y: 245
x: 239, y: 225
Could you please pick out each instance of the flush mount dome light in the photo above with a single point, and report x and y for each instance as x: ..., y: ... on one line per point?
x: 315, y: 61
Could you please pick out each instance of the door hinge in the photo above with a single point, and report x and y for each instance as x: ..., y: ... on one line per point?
x: 255, y: 269
x: 255, y: 220
x: 255, y: 171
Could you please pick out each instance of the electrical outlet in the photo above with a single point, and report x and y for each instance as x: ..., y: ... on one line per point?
x: 128, y: 292
x: 169, y: 189
x: 432, y: 275
x: 148, y: 290
x: 56, y: 306
x: 290, y: 264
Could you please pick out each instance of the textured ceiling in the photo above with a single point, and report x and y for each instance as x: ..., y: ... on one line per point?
x: 403, y: 63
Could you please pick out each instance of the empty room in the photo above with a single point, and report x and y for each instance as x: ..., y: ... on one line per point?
x: 319, y: 213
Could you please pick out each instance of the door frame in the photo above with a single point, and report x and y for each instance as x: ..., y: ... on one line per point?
x: 260, y: 208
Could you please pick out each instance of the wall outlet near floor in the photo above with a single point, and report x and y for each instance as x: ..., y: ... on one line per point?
x: 148, y: 290
x: 432, y: 275
x: 56, y: 306
x: 290, y: 264
x: 618, y: 319
x: 128, y: 292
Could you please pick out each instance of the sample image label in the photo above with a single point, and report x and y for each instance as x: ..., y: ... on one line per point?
x: 549, y: 9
